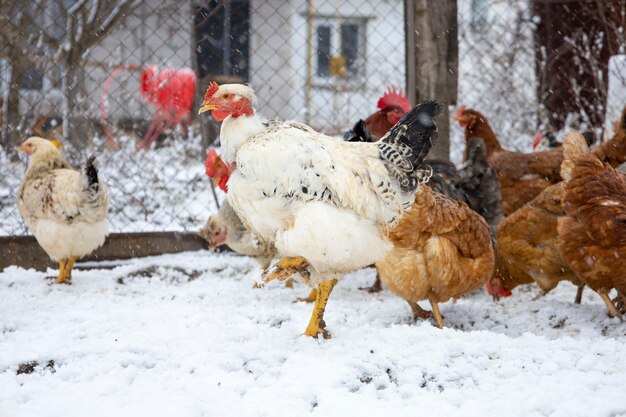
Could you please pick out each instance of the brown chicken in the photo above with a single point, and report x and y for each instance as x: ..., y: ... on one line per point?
x: 593, y: 232
x: 442, y: 249
x: 527, y: 243
x: 527, y: 247
x: 522, y: 176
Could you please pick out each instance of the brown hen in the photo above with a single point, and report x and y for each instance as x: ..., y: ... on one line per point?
x: 527, y: 240
x: 527, y: 246
x: 442, y: 249
x: 593, y: 232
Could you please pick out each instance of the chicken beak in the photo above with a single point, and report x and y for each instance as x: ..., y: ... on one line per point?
x: 206, y: 107
x: 21, y: 148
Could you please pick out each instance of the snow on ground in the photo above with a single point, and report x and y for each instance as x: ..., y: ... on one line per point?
x: 187, y: 335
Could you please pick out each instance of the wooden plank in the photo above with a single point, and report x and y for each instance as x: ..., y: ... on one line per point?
x: 24, y: 251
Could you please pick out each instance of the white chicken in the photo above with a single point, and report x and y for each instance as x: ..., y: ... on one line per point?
x: 65, y: 209
x: 325, y: 204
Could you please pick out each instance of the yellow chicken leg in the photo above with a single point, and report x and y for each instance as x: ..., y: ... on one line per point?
x: 436, y: 313
x: 316, y: 324
x: 286, y: 267
x: 61, y: 277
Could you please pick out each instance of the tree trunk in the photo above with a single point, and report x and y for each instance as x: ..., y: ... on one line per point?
x: 12, y: 121
x: 208, y: 129
x: 76, y: 129
x: 436, y: 60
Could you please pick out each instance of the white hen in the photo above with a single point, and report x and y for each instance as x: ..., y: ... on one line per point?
x: 325, y: 204
x: 65, y: 209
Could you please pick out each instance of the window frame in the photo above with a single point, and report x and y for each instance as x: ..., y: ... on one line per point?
x: 352, y: 80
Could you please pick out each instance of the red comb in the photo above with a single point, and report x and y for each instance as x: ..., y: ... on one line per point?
x: 211, y: 90
x: 537, y: 140
x: 394, y: 97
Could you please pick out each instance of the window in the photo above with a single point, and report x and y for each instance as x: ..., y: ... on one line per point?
x: 340, y: 47
x: 33, y: 79
x: 323, y: 51
x: 222, y: 30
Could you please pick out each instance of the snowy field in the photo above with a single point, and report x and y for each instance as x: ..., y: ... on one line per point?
x: 187, y: 335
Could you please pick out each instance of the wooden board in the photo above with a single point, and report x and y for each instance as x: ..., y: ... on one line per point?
x: 24, y: 251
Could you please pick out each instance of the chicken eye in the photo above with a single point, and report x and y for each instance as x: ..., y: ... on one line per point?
x: 226, y: 96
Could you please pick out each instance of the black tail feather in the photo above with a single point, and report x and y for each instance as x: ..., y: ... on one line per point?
x: 407, y: 143
x: 91, y: 172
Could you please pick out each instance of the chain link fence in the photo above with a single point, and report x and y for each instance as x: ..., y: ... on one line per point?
x: 123, y: 79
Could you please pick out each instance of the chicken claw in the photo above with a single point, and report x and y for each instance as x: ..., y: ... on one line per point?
x: 286, y: 267
x: 317, y: 325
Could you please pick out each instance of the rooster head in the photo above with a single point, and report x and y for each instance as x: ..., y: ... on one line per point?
x: 217, y: 170
x: 495, y: 288
x: 394, y: 103
x: 228, y: 100
x: 467, y: 117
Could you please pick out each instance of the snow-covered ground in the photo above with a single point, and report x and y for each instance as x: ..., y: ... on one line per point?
x: 187, y: 335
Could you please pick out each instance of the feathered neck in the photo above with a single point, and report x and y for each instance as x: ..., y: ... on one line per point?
x: 235, y: 131
x: 45, y: 160
x: 481, y: 128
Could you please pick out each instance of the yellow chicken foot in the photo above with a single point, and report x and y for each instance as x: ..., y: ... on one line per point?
x: 436, y: 313
x: 286, y: 267
x: 579, y: 294
x: 316, y: 324
x: 610, y: 306
x: 310, y: 299
x: 419, y: 312
x: 65, y: 271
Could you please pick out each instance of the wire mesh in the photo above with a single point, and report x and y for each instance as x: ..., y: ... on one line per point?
x: 123, y: 78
